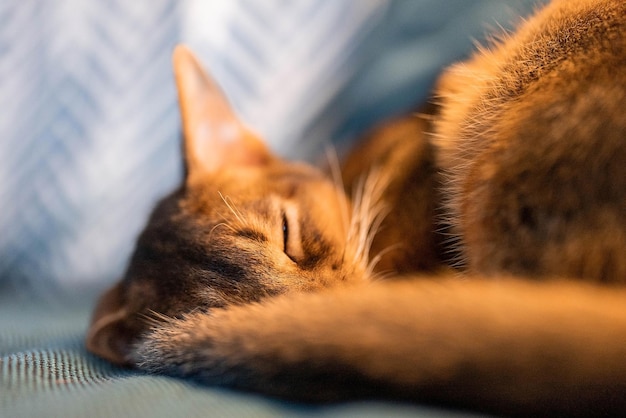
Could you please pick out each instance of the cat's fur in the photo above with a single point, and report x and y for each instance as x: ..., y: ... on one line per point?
x: 255, y: 273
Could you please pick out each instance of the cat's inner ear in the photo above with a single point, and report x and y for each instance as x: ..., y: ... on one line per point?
x: 213, y: 135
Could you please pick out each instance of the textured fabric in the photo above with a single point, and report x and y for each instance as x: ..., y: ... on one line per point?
x: 45, y: 372
x: 89, y: 123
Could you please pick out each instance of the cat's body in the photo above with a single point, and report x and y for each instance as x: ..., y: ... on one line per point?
x: 543, y: 112
x: 255, y: 274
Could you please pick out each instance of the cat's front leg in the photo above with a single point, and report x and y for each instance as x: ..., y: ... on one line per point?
x: 500, y: 346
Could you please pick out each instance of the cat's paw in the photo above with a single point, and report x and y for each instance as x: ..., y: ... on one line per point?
x: 178, y: 346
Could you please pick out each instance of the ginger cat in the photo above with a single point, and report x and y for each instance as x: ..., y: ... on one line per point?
x: 258, y: 273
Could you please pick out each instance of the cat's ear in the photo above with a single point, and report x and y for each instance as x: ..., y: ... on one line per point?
x: 109, y: 335
x: 213, y: 135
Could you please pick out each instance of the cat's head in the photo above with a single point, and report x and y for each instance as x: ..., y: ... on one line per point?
x: 245, y: 224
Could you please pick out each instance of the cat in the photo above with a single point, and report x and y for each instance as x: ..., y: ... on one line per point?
x: 479, y: 262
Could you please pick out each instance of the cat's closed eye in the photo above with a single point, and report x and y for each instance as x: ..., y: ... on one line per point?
x: 292, y: 239
x: 285, y: 227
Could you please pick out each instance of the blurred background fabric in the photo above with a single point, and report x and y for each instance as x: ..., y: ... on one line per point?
x: 89, y: 125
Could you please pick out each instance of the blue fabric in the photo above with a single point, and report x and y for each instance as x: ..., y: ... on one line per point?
x: 88, y: 134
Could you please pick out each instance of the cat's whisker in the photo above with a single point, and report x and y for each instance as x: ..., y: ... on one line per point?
x: 219, y: 225
x: 382, y: 275
x: 335, y: 171
x: 379, y: 214
x: 368, y: 213
x: 353, y: 230
x: 231, y: 206
x: 374, y: 261
x: 155, y: 319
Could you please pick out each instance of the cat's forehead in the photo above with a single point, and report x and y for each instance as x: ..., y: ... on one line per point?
x: 279, y: 179
x: 262, y: 188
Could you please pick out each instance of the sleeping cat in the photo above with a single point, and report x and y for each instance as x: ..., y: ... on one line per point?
x: 478, y: 263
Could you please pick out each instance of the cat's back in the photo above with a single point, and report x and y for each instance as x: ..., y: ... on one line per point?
x: 582, y: 35
x: 532, y: 135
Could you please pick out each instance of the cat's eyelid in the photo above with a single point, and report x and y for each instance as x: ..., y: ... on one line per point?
x: 285, y: 227
x: 292, y: 238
